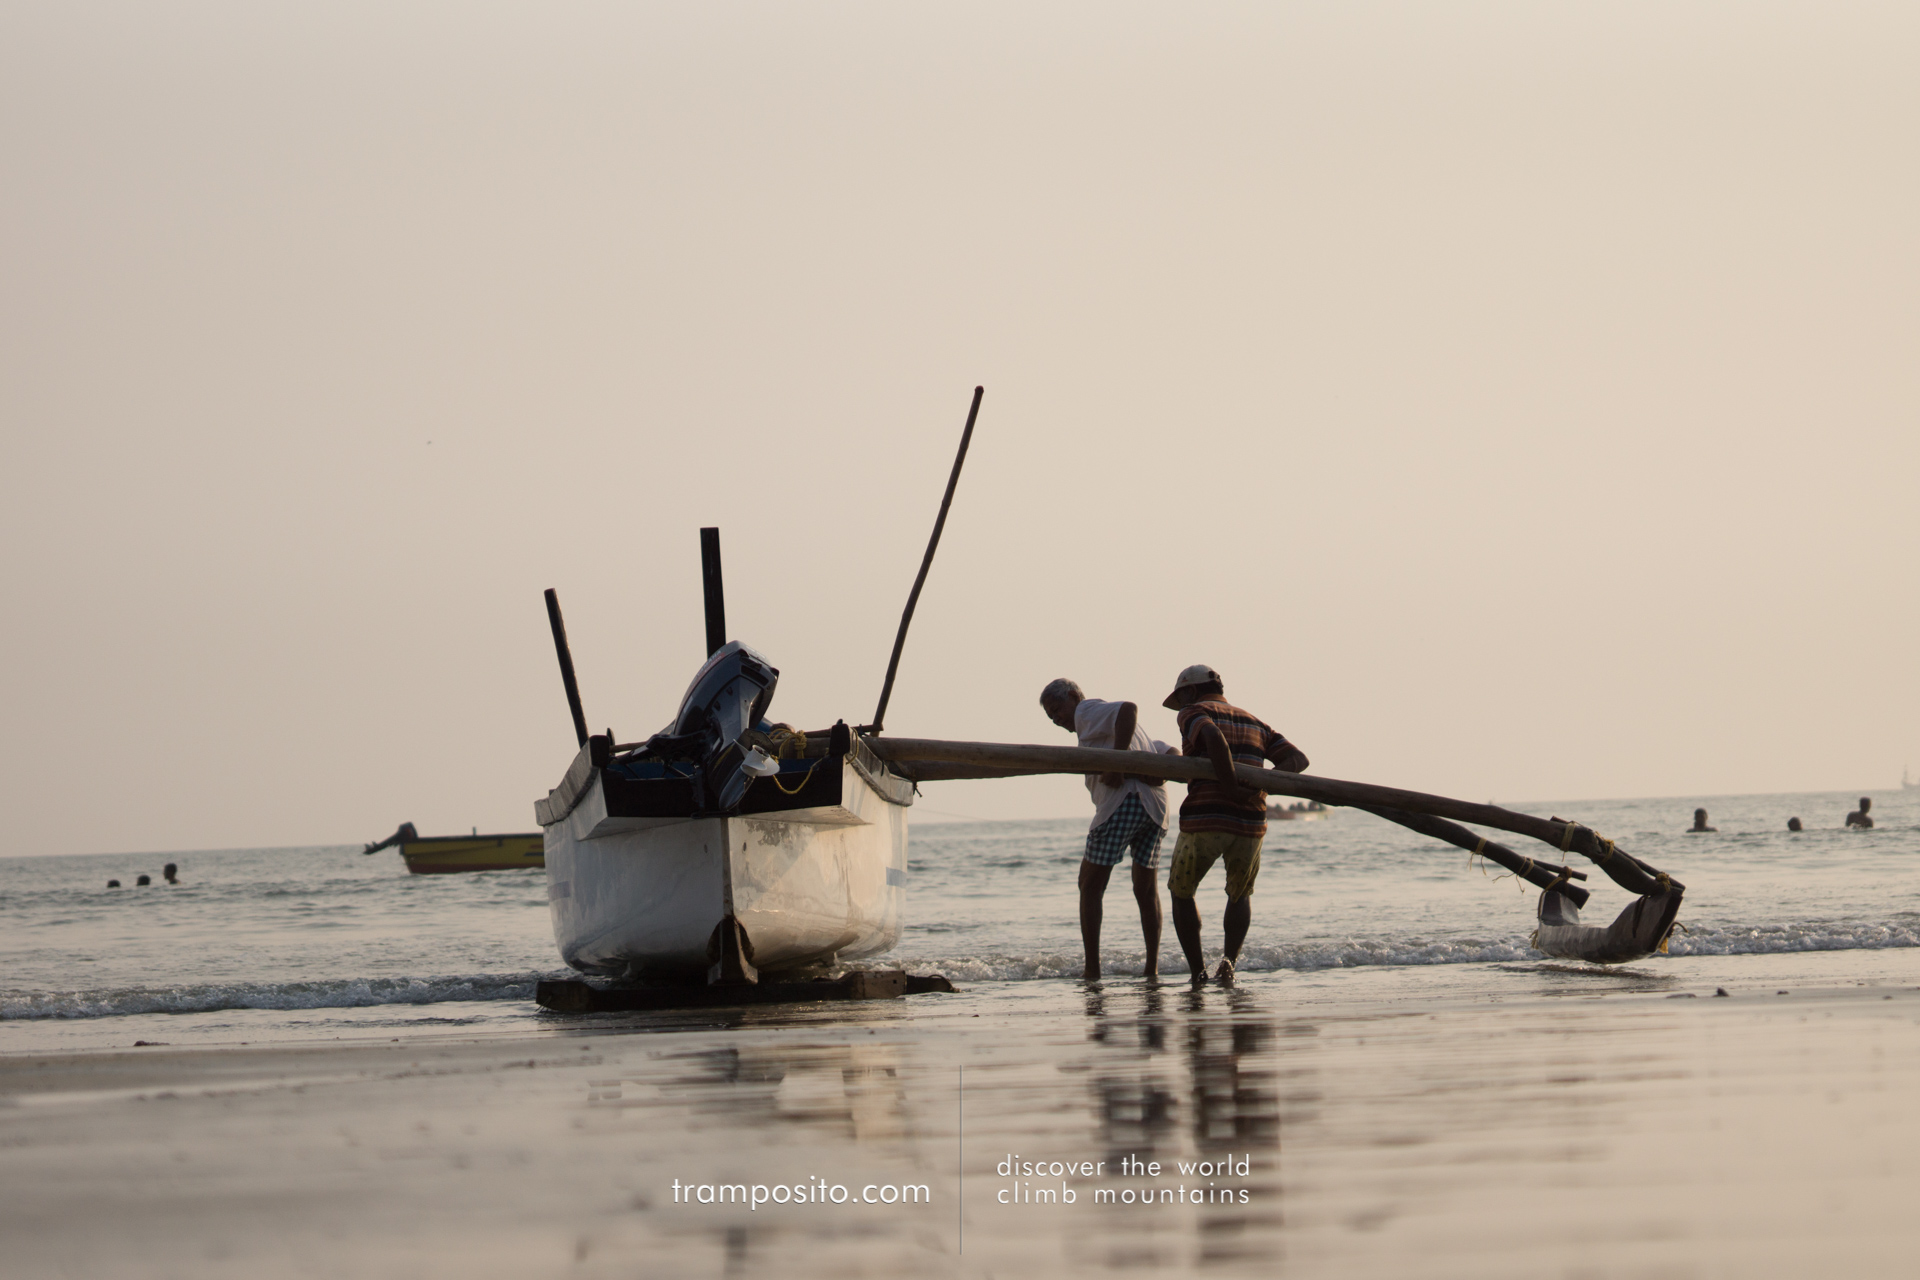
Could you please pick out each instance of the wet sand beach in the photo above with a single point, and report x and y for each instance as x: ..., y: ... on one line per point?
x: 1477, y: 1120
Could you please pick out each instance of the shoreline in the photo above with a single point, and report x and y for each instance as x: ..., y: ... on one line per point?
x: 1497, y: 1121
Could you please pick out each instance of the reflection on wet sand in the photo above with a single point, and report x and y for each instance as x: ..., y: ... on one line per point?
x: 1183, y: 1083
x: 1215, y: 1099
x: 806, y: 1116
x: 1765, y: 1133
x: 855, y: 1091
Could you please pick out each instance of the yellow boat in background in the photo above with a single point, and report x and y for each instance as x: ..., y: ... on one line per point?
x: 437, y: 855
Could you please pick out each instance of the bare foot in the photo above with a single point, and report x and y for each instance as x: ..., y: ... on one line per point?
x: 1224, y: 974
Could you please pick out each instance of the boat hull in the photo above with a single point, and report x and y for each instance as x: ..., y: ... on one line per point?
x: 438, y: 855
x: 635, y: 895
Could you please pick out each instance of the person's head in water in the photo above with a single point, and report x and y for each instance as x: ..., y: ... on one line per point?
x: 113, y: 884
x: 1793, y: 824
x: 1700, y: 821
x: 143, y: 880
x: 1866, y: 803
x: 170, y: 873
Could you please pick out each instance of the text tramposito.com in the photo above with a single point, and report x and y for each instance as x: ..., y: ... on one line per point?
x: 813, y: 1191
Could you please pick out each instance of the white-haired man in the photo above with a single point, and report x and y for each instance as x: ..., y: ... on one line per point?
x: 1129, y: 815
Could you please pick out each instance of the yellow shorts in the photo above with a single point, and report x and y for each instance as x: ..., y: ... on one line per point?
x: 1194, y: 854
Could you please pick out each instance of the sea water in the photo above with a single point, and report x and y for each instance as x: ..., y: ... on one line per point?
x: 317, y: 943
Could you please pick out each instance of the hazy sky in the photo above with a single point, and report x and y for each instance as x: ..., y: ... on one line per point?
x: 1511, y: 400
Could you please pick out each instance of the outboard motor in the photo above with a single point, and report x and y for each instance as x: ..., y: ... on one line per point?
x: 728, y: 697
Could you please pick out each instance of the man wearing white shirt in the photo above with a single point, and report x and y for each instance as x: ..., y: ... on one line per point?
x: 1129, y: 815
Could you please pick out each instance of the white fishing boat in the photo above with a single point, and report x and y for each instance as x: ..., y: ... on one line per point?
x: 652, y: 873
x: 725, y: 844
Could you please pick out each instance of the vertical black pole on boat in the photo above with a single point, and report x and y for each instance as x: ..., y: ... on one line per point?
x: 913, y: 597
x: 566, y: 668
x: 716, y: 598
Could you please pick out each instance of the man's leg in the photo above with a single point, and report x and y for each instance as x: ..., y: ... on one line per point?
x: 1243, y: 868
x: 1146, y: 891
x: 1093, y: 886
x: 1186, y: 927
x: 1190, y: 862
x: 1239, y: 917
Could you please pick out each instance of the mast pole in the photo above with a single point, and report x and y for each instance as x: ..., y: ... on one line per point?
x: 716, y: 598
x: 566, y: 668
x: 926, y: 562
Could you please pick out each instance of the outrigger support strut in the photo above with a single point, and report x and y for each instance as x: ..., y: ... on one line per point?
x: 1641, y: 929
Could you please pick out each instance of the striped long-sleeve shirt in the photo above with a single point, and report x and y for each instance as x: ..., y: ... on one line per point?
x: 1210, y: 806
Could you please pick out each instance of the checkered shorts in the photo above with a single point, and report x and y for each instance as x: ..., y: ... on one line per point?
x: 1128, y: 828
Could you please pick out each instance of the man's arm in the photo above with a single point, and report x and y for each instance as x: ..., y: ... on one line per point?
x: 1222, y: 756
x: 1123, y: 723
x: 1285, y: 756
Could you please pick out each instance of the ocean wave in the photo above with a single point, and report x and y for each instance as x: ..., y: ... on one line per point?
x: 1351, y: 952
x: 346, y: 993
x: 1815, y: 935
x: 1345, y: 953
x: 1304, y: 956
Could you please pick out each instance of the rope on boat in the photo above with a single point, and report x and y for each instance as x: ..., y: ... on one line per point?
x: 799, y: 786
x: 1479, y: 851
x: 784, y: 737
x: 1603, y: 847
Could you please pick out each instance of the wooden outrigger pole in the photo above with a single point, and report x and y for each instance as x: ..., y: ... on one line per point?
x: 1640, y: 930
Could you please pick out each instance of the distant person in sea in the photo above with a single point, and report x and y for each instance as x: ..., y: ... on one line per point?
x: 1859, y: 818
x: 113, y: 884
x: 1220, y: 821
x: 143, y: 880
x: 1700, y: 823
x: 1793, y: 824
x: 170, y: 873
x: 1129, y: 815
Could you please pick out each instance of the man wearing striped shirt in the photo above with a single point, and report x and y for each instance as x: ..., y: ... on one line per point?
x: 1220, y: 821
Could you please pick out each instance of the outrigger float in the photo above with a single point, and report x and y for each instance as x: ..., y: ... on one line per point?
x: 731, y: 848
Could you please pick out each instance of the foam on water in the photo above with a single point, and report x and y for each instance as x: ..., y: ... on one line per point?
x: 353, y: 993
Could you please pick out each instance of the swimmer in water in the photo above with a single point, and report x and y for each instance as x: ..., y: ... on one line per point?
x: 1793, y: 824
x: 142, y: 880
x: 1700, y: 823
x: 1859, y: 818
x: 170, y: 873
x: 113, y: 884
